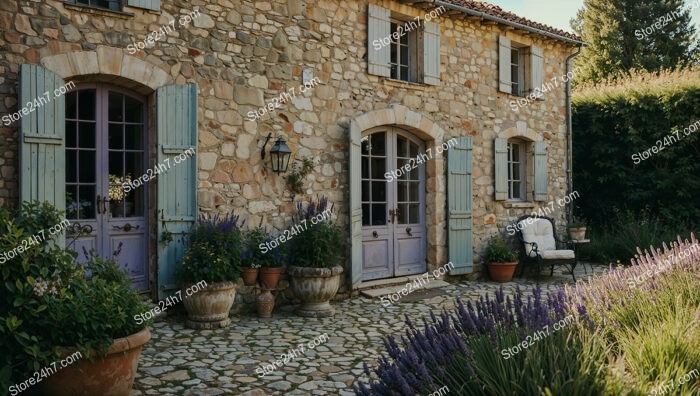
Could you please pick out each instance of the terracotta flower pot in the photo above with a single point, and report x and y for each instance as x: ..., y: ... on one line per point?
x: 502, y: 272
x: 270, y: 277
x: 266, y: 302
x: 250, y: 276
x: 111, y: 375
x: 315, y: 287
x: 577, y: 233
x: 209, y: 307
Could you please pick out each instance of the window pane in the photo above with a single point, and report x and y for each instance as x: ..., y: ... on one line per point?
x: 378, y: 168
x: 133, y: 110
x: 516, y: 171
x: 365, y: 214
x: 401, y: 146
x: 413, y: 150
x: 403, y: 214
x: 86, y: 135
x: 365, y: 167
x: 414, y: 213
x: 134, y: 137
x: 116, y: 136
x: 516, y: 190
x: 404, y: 55
x: 404, y: 73
x: 379, y: 191
x: 71, y: 166
x: 86, y: 166
x: 365, y: 191
x: 378, y: 144
x: 379, y: 214
x: 364, y: 143
x: 87, y: 197
x: 116, y: 163
x: 71, y: 104
x: 413, y: 191
x: 86, y: 104
x: 515, y: 152
x: 402, y: 191
x: 71, y: 134
x: 116, y: 107
x: 71, y: 202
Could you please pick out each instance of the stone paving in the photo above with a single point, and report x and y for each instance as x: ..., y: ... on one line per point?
x: 180, y: 361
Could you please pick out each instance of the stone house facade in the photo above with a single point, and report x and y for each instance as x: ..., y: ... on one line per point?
x: 386, y: 82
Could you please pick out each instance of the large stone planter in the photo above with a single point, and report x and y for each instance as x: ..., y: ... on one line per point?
x: 111, y: 375
x: 315, y: 287
x: 209, y: 307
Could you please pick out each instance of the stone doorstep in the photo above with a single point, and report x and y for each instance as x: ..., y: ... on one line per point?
x: 388, y: 282
x: 396, y: 288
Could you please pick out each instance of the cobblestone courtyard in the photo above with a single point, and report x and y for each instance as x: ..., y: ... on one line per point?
x: 180, y: 361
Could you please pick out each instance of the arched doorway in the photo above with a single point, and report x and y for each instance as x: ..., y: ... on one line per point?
x: 393, y: 203
x: 106, y: 150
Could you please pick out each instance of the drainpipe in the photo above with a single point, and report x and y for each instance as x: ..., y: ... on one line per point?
x: 569, y: 133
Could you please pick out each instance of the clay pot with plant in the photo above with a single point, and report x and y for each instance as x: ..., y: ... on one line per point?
x: 214, y: 255
x: 78, y: 314
x: 501, y: 260
x: 577, y: 230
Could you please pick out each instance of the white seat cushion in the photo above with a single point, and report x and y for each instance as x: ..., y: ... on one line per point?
x: 538, y: 231
x: 557, y: 254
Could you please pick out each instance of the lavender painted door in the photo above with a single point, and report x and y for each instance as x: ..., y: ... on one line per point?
x: 106, y: 147
x: 393, y: 207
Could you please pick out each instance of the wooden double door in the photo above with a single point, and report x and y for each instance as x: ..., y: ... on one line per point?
x: 393, y: 204
x: 105, y: 148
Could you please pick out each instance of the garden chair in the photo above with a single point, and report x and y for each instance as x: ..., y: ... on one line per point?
x: 540, y: 245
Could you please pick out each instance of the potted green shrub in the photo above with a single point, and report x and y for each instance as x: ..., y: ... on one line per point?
x: 577, y: 230
x: 313, y: 257
x: 501, y: 260
x: 52, y: 308
x: 214, y: 255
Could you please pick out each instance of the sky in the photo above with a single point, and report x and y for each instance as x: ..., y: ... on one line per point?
x: 557, y: 13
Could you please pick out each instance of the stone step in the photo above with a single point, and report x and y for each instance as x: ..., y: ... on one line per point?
x: 432, y: 283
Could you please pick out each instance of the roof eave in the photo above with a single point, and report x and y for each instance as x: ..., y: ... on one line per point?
x: 516, y: 25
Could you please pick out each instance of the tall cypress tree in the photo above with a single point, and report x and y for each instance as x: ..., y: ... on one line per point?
x: 639, y: 34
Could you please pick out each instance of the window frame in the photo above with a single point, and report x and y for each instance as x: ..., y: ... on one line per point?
x: 411, y: 46
x: 120, y: 4
x: 520, y: 82
x: 522, y: 171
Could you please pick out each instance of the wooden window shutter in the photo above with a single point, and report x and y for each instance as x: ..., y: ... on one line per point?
x: 378, y: 54
x: 431, y: 53
x: 459, y: 203
x: 355, y: 205
x: 505, y: 80
x: 176, y: 188
x: 500, y: 169
x: 42, y: 155
x: 145, y: 4
x: 536, y: 71
x: 540, y: 171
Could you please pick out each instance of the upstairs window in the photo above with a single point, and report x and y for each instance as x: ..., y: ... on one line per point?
x: 403, y: 48
x: 112, y: 5
x: 403, y: 51
x: 520, y: 67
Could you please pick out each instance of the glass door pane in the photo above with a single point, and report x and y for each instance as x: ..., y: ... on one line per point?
x: 81, y: 155
x: 374, y: 184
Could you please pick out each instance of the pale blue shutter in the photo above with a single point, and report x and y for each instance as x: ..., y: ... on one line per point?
x: 146, y: 4
x: 177, y: 187
x: 431, y: 54
x: 42, y: 156
x: 500, y: 169
x: 537, y: 71
x: 505, y: 81
x: 540, y: 171
x: 459, y: 203
x: 378, y: 27
x: 355, y: 206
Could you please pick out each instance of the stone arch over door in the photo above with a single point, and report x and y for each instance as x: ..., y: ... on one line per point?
x: 431, y: 134
x: 106, y: 63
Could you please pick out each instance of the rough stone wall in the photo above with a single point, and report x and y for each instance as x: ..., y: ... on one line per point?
x: 242, y: 54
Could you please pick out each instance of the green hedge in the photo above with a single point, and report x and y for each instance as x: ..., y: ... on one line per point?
x: 613, y: 122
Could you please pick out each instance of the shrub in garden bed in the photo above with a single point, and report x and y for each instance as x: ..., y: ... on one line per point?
x: 626, y: 332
